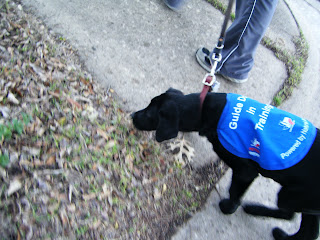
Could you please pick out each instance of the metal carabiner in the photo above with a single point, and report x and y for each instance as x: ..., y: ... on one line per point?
x: 207, y: 83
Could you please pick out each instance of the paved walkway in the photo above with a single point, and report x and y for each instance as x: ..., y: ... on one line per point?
x: 140, y: 48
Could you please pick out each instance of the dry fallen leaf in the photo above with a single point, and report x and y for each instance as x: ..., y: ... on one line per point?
x: 56, y: 95
x: 32, y: 151
x: 156, y: 194
x: 14, y: 186
x: 71, y: 208
x: 62, y: 121
x: 116, y: 225
x: 12, y: 99
x: 90, y: 113
x: 39, y: 72
x: 129, y: 161
x: 110, y: 144
x: 96, y: 224
x: 88, y: 197
x: 103, y: 134
x: 51, y: 160
x: 4, y: 111
x: 184, y: 151
x: 74, y: 103
x: 164, y: 188
x: 64, y: 218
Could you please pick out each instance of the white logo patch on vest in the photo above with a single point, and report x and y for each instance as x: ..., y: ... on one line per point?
x: 275, y: 139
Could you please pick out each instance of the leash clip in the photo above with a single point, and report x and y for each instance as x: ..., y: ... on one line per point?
x: 206, y: 81
x: 216, y: 56
x: 213, y: 84
x: 214, y: 59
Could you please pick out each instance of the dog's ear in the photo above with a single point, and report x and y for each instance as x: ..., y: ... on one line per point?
x: 168, y: 121
x: 175, y: 91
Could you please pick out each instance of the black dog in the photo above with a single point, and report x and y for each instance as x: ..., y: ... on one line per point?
x: 300, y: 177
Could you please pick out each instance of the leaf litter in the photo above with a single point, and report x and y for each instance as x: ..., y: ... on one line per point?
x: 71, y: 163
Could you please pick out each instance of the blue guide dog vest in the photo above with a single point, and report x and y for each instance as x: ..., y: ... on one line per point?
x: 275, y: 139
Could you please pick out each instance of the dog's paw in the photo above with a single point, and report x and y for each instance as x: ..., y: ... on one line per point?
x: 279, y: 234
x: 228, y: 207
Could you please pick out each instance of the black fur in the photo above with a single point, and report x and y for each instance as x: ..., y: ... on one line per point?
x: 172, y: 112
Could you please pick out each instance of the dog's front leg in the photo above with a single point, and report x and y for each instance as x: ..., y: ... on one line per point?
x: 241, y: 180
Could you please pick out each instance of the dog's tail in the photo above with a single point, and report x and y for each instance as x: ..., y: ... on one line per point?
x: 263, y: 211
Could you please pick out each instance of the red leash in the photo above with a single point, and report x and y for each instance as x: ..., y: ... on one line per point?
x: 209, y: 80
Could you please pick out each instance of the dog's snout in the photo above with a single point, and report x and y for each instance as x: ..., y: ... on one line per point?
x: 132, y: 114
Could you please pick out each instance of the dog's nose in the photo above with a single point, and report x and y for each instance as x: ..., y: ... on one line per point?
x: 132, y: 114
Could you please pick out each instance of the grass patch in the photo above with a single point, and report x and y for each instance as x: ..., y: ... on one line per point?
x: 4, y: 160
x: 295, y: 65
x: 15, y: 127
x: 221, y: 7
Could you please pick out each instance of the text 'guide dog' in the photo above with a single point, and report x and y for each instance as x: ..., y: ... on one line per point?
x: 251, y: 138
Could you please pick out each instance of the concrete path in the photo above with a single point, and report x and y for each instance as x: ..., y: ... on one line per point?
x: 141, y: 48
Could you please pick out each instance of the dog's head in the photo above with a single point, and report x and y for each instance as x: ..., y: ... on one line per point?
x: 162, y: 115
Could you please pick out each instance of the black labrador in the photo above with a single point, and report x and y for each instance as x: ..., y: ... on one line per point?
x: 173, y: 111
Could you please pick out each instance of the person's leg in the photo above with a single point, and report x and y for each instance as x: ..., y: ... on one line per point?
x: 242, y: 38
x: 244, y: 35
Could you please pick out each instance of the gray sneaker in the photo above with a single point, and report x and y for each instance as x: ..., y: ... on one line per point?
x: 235, y: 80
x: 203, y: 58
x: 174, y: 5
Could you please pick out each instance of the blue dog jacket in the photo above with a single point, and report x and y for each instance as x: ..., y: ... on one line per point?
x: 275, y: 139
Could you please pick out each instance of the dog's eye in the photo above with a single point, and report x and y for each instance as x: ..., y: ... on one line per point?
x: 148, y: 114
